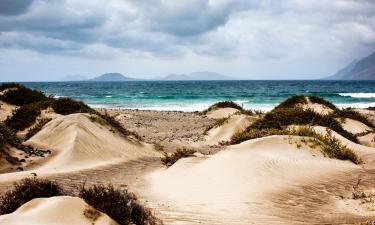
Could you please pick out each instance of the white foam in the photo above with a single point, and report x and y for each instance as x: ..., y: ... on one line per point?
x: 358, y: 95
x: 358, y: 105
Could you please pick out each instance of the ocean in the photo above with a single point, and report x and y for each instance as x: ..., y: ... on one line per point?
x: 198, y: 95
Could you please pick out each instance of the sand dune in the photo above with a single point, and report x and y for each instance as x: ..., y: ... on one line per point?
x: 221, y: 113
x: 368, y: 140
x: 6, y: 110
x: 235, y: 123
x: 233, y: 185
x: 354, y: 126
x: 318, y: 108
x: 78, y: 143
x: 57, y: 211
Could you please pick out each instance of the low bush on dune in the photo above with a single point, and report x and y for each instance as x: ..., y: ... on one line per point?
x: 9, y: 85
x: 280, y: 118
x: 40, y: 124
x: 329, y: 145
x: 21, y: 96
x: 169, y: 159
x: 292, y: 102
x: 223, y: 104
x: 24, y: 116
x: 121, y: 205
x: 66, y: 106
x: 322, y: 101
x: 118, y: 204
x: 26, y: 190
x: 7, y: 136
x: 354, y: 115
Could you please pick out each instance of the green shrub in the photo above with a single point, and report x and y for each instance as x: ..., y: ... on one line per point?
x: 280, y: 118
x: 5, y: 86
x: 66, y: 106
x: 224, y: 104
x: 120, y: 205
x: 26, y: 190
x: 37, y: 128
x: 292, y: 102
x: 172, y: 158
x: 7, y: 136
x: 351, y: 114
x: 24, y: 116
x: 254, y: 133
x: 319, y: 100
x: 21, y: 96
x: 329, y: 145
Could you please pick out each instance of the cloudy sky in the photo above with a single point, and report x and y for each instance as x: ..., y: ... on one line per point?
x: 252, y: 39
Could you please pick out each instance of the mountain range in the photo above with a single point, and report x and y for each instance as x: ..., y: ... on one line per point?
x: 115, y: 77
x: 363, y: 69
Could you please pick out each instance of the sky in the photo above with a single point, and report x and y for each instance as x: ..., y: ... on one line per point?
x: 47, y: 40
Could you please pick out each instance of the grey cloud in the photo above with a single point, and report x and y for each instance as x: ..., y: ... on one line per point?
x: 14, y: 7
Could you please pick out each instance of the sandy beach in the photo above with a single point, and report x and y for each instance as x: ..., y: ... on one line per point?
x: 275, y: 179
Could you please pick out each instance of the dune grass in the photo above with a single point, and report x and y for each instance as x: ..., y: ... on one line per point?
x: 289, y: 113
x: 354, y: 115
x: 26, y: 190
x: 119, y: 204
x: 66, y: 106
x: 280, y: 118
x: 32, y: 102
x: 292, y: 102
x: 329, y: 145
x: 7, y: 136
x: 169, y: 159
x: 9, y: 85
x: 24, y: 116
x: 21, y: 96
x: 223, y: 104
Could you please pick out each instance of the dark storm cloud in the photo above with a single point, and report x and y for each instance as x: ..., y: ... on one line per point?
x: 14, y: 7
x: 252, y: 29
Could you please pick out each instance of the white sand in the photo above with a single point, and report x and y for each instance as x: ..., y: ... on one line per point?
x: 354, y: 126
x: 318, y: 108
x: 234, y: 124
x: 221, y: 113
x: 78, y: 143
x: 6, y: 110
x: 368, y: 140
x: 234, y: 184
x: 56, y: 211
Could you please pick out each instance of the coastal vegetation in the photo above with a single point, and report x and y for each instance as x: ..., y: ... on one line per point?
x: 119, y: 204
x: 169, y: 159
x: 290, y: 113
x: 233, y: 105
x: 32, y: 102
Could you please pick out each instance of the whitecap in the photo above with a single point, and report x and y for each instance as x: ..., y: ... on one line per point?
x: 358, y: 95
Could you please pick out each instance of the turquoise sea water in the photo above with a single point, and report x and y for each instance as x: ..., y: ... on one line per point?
x: 198, y: 95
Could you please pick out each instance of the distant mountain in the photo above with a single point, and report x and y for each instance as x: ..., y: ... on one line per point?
x: 363, y: 69
x: 111, y: 77
x: 197, y: 76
